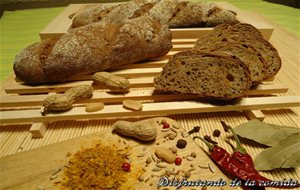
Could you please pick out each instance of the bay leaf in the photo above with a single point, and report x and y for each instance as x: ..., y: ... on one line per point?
x: 264, y: 133
x: 286, y: 154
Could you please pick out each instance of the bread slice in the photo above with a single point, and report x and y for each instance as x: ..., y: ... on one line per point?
x: 248, y: 36
x: 255, y: 62
x: 208, y: 74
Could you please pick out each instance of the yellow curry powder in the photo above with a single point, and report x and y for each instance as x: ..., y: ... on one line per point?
x: 99, y: 167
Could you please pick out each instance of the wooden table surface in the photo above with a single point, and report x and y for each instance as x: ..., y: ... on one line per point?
x: 17, y: 138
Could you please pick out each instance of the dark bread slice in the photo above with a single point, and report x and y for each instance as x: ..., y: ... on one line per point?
x: 263, y: 47
x: 245, y: 28
x: 208, y: 74
x: 227, y: 29
x: 249, y: 37
x: 255, y: 62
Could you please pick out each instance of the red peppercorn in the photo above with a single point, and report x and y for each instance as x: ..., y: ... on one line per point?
x: 126, y: 167
x: 178, y: 161
x: 166, y: 125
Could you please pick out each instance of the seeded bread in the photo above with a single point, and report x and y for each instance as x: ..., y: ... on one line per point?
x: 92, y: 48
x: 208, y: 74
x: 175, y: 13
x: 247, y: 36
x: 255, y: 62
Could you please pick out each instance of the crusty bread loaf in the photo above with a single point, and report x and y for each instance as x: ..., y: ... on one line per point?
x: 208, y: 74
x: 175, y: 13
x: 255, y: 62
x: 110, y: 13
x: 92, y: 48
x: 247, y: 36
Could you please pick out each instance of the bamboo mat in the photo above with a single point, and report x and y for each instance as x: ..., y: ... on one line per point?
x: 16, y: 138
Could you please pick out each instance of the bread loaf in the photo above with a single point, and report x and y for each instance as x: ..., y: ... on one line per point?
x: 110, y: 13
x: 215, y: 75
x: 175, y: 13
x: 249, y: 37
x: 92, y: 48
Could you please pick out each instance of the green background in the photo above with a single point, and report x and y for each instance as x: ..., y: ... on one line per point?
x: 21, y: 28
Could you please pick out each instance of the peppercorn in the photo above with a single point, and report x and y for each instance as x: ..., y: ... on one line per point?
x: 166, y: 125
x: 181, y: 143
x: 178, y: 161
x: 126, y: 167
x: 216, y: 133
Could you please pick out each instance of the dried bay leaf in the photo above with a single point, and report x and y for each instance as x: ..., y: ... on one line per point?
x: 286, y: 154
x: 264, y: 133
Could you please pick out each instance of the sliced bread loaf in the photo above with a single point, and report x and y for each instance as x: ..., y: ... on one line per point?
x: 255, y: 62
x: 208, y: 74
x: 247, y: 36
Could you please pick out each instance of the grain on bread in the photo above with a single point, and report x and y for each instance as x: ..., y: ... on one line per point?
x: 92, y: 48
x: 216, y: 75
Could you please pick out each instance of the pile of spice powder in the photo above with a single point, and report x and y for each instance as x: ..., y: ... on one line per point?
x: 99, y: 167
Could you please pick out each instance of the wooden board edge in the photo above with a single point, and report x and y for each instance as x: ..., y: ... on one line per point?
x: 152, y: 109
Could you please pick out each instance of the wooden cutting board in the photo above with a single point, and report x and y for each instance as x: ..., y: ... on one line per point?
x: 33, y: 169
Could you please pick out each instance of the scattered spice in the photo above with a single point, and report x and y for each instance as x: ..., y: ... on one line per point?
x: 184, y: 134
x: 97, y: 167
x: 187, y: 174
x: 181, y: 143
x: 216, y: 133
x: 196, y: 129
x: 52, y: 177
x: 225, y: 126
x: 156, y: 169
x: 178, y: 161
x: 142, y: 154
x: 163, y: 121
x: 193, y: 154
x: 126, y: 167
x: 148, y: 161
x: 165, y: 130
x: 141, y: 178
x: 171, y: 136
x: 166, y: 125
x: 211, y: 168
x: 161, y: 165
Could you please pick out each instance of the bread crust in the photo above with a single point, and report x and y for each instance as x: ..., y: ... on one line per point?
x: 175, y: 13
x: 92, y: 48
